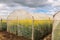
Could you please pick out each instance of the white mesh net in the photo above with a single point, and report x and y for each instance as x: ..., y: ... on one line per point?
x: 20, y: 23
x: 56, y: 27
x: 30, y: 25
x: 42, y: 25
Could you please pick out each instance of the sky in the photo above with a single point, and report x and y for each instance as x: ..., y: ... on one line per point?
x: 35, y: 6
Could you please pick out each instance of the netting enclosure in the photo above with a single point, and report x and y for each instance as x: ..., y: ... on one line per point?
x: 56, y: 27
x: 29, y: 25
x: 20, y: 23
x: 42, y: 25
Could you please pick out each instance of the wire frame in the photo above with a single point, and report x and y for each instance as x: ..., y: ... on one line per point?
x: 56, y: 27
x: 32, y: 26
x: 20, y: 23
x: 12, y: 23
x: 42, y: 26
x: 25, y: 24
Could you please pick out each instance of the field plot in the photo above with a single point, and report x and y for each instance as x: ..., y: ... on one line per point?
x: 42, y: 28
x: 30, y: 26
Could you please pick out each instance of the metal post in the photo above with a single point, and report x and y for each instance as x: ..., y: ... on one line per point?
x: 33, y: 28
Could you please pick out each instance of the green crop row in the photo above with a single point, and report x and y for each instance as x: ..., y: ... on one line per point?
x: 40, y: 30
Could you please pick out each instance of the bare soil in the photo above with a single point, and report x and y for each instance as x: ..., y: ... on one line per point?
x: 48, y: 37
x: 8, y: 36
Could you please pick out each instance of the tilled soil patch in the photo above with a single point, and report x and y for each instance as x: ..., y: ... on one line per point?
x: 8, y: 36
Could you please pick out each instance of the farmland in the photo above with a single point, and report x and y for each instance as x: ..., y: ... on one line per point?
x: 42, y: 28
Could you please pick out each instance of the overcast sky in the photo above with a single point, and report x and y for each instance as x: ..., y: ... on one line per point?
x: 38, y: 6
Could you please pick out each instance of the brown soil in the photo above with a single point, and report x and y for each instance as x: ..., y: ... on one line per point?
x: 7, y: 36
x: 48, y: 37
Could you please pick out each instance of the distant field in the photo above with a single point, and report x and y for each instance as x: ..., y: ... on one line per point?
x: 29, y: 21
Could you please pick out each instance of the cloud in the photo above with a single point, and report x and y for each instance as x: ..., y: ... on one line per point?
x: 32, y: 3
x: 46, y: 6
x: 56, y: 4
x: 38, y: 3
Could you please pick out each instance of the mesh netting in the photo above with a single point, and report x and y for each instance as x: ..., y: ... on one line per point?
x: 30, y: 25
x: 20, y: 23
x: 56, y: 27
x: 42, y: 26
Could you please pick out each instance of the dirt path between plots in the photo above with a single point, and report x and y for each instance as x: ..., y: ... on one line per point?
x: 7, y: 36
